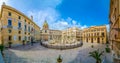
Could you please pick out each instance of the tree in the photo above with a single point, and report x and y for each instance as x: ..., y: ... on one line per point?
x: 96, y: 55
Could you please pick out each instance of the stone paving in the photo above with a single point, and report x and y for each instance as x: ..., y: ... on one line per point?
x: 39, y: 54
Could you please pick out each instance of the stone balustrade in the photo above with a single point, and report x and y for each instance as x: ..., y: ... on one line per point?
x: 62, y: 46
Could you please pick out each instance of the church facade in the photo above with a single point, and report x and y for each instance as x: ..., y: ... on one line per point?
x: 48, y: 34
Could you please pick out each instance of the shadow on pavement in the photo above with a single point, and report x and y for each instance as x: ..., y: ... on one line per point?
x: 11, y: 57
x: 83, y: 55
x: 28, y: 47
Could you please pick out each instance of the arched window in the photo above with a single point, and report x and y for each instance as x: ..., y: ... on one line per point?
x: 45, y: 31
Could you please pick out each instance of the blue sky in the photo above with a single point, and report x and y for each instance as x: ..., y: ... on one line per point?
x: 61, y: 14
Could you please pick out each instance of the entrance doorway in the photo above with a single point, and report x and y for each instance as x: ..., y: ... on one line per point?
x: 87, y: 40
x: 91, y: 40
x: 98, y: 40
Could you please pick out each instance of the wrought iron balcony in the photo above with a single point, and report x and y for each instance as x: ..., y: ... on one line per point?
x: 118, y: 29
x: 25, y: 29
x: 19, y: 28
x: 9, y: 26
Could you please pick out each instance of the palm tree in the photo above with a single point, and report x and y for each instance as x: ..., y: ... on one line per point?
x: 96, y: 55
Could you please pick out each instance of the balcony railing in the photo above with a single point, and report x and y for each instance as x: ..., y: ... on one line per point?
x: 118, y: 29
x: 9, y: 26
x: 19, y: 28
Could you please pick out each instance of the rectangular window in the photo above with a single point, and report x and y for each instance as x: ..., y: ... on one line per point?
x: 25, y: 38
x: 29, y: 28
x: 29, y: 38
x: 9, y: 38
x: 19, y: 25
x: 19, y: 17
x: 25, y: 32
x: 97, y: 34
x: 19, y: 38
x: 9, y: 31
x: 19, y: 32
x: 45, y: 31
x: 9, y: 14
x: 9, y: 22
x: 25, y: 27
x: 103, y: 34
x: 25, y: 20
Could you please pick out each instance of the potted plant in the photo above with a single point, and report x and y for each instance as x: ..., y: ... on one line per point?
x: 59, y: 60
x: 96, y: 55
x: 9, y: 43
x: 92, y: 46
x: 107, y: 48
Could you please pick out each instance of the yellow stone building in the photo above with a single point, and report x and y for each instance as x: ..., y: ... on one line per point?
x: 55, y: 34
x: 114, y: 35
x: 71, y: 35
x: 16, y: 27
x: 95, y: 34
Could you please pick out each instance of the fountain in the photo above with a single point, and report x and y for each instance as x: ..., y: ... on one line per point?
x: 62, y: 44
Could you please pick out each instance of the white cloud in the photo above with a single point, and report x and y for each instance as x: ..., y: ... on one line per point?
x: 1, y: 2
x: 74, y: 22
x: 84, y: 26
x: 108, y: 27
x: 65, y: 23
x: 47, y: 12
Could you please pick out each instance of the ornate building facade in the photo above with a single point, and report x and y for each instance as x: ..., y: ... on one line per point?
x: 71, y: 35
x: 95, y: 34
x: 17, y: 27
x: 48, y: 34
x: 114, y: 35
x: 45, y: 32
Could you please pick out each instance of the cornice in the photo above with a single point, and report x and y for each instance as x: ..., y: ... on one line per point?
x: 18, y: 12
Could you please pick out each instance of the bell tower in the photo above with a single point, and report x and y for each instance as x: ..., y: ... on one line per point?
x: 45, y: 25
x: 45, y: 31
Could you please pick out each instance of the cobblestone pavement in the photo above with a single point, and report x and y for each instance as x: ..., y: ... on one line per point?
x: 39, y: 54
